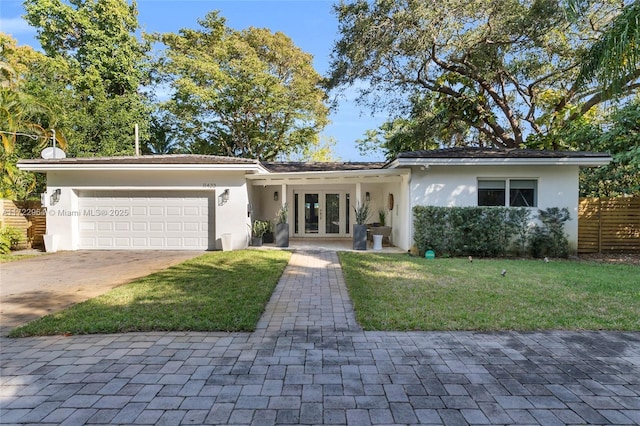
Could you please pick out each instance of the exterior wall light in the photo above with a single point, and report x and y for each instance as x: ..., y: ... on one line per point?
x: 275, y: 196
x: 223, y: 198
x: 55, y: 197
x: 367, y: 196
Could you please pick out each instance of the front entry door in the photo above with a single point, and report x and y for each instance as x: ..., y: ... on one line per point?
x: 323, y: 214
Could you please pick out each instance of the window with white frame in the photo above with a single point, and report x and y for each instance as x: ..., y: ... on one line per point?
x: 522, y: 192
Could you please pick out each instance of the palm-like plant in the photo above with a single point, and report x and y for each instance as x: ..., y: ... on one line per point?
x: 614, y: 60
x: 18, y: 111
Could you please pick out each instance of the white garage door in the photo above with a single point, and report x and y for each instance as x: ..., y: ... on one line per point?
x: 145, y: 220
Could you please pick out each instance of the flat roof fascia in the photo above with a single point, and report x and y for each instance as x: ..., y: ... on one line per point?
x: 47, y: 167
x: 344, y: 174
x: 565, y: 161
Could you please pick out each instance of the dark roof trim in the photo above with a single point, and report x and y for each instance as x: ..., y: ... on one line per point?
x: 464, y: 152
x: 147, y: 159
x: 297, y: 167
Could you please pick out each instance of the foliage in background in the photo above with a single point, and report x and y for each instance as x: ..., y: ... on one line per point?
x: 249, y: 93
x: 498, y: 73
x: 161, y: 137
x: 318, y: 150
x: 427, y: 126
x: 94, y: 73
x: 620, y: 136
x: 613, y: 61
x: 10, y: 237
x: 21, y: 113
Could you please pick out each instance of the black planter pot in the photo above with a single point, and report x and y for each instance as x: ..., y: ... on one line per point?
x: 359, y: 237
x: 282, y: 235
x: 256, y: 241
x: 267, y: 238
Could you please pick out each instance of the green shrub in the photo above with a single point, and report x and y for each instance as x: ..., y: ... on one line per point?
x: 548, y: 238
x: 10, y: 237
x: 490, y: 231
x: 476, y: 231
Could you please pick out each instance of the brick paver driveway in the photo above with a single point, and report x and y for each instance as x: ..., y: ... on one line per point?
x: 309, y: 363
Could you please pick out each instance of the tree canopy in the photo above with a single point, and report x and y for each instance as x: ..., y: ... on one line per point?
x: 97, y: 67
x: 503, y: 68
x: 249, y: 93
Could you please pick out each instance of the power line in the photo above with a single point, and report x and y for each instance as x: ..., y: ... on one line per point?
x: 34, y: 137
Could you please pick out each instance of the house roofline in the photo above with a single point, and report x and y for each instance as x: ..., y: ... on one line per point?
x: 510, y: 161
x: 144, y: 163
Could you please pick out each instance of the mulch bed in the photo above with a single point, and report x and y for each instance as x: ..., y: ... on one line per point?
x: 625, y: 258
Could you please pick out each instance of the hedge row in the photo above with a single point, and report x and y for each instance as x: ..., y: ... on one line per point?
x: 489, y: 231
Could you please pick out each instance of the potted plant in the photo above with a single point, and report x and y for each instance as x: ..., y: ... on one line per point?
x: 259, y: 228
x: 382, y: 229
x: 282, y: 227
x: 362, y: 213
x: 269, y: 236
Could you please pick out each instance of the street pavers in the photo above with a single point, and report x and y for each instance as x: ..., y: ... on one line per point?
x: 308, y: 362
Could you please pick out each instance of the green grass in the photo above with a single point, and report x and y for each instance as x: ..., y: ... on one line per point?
x: 219, y: 291
x: 11, y: 257
x: 399, y: 292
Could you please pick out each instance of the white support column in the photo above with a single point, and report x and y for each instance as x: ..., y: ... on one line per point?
x: 283, y: 191
x: 358, y: 194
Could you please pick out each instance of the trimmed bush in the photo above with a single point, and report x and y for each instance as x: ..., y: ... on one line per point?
x: 548, y: 238
x: 490, y: 231
x: 475, y: 231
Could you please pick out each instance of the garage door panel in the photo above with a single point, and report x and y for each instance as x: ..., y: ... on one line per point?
x: 174, y: 227
x: 122, y: 226
x: 157, y: 227
x: 129, y: 219
x: 105, y: 226
x: 138, y: 211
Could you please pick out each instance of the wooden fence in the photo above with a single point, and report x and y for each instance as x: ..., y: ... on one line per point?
x: 609, y: 225
x: 27, y: 216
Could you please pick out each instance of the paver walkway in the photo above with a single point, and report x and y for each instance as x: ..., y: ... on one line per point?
x: 309, y: 363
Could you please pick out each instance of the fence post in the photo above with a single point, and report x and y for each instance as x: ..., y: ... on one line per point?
x: 599, y: 225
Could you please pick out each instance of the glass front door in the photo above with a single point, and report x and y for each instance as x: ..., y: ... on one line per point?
x: 322, y: 213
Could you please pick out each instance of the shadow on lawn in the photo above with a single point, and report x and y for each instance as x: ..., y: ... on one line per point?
x: 214, y: 292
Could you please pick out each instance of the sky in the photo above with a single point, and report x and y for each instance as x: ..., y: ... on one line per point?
x: 311, y: 24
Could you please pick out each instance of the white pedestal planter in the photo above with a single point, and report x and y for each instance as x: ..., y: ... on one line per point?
x: 377, y: 242
x: 50, y: 243
x: 226, y: 242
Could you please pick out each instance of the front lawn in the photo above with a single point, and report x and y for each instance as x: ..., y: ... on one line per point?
x: 399, y: 292
x: 219, y: 291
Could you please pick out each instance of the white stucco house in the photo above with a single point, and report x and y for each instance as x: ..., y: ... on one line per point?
x: 190, y: 201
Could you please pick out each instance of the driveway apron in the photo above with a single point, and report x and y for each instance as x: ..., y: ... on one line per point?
x: 308, y: 362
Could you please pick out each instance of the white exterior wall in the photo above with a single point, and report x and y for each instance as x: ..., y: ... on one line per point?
x: 230, y: 217
x: 450, y: 186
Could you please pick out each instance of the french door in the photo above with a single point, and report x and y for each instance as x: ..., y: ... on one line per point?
x: 321, y: 214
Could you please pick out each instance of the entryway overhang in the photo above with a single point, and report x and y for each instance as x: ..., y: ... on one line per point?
x: 329, y: 177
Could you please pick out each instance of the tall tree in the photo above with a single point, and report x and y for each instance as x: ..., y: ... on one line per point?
x: 249, y: 93
x: 505, y: 68
x: 104, y: 67
x: 614, y: 59
x: 618, y: 134
x: 25, y: 120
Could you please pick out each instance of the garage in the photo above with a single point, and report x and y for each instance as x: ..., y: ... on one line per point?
x: 159, y: 220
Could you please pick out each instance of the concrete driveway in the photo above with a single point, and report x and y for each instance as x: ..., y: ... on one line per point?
x: 38, y: 286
